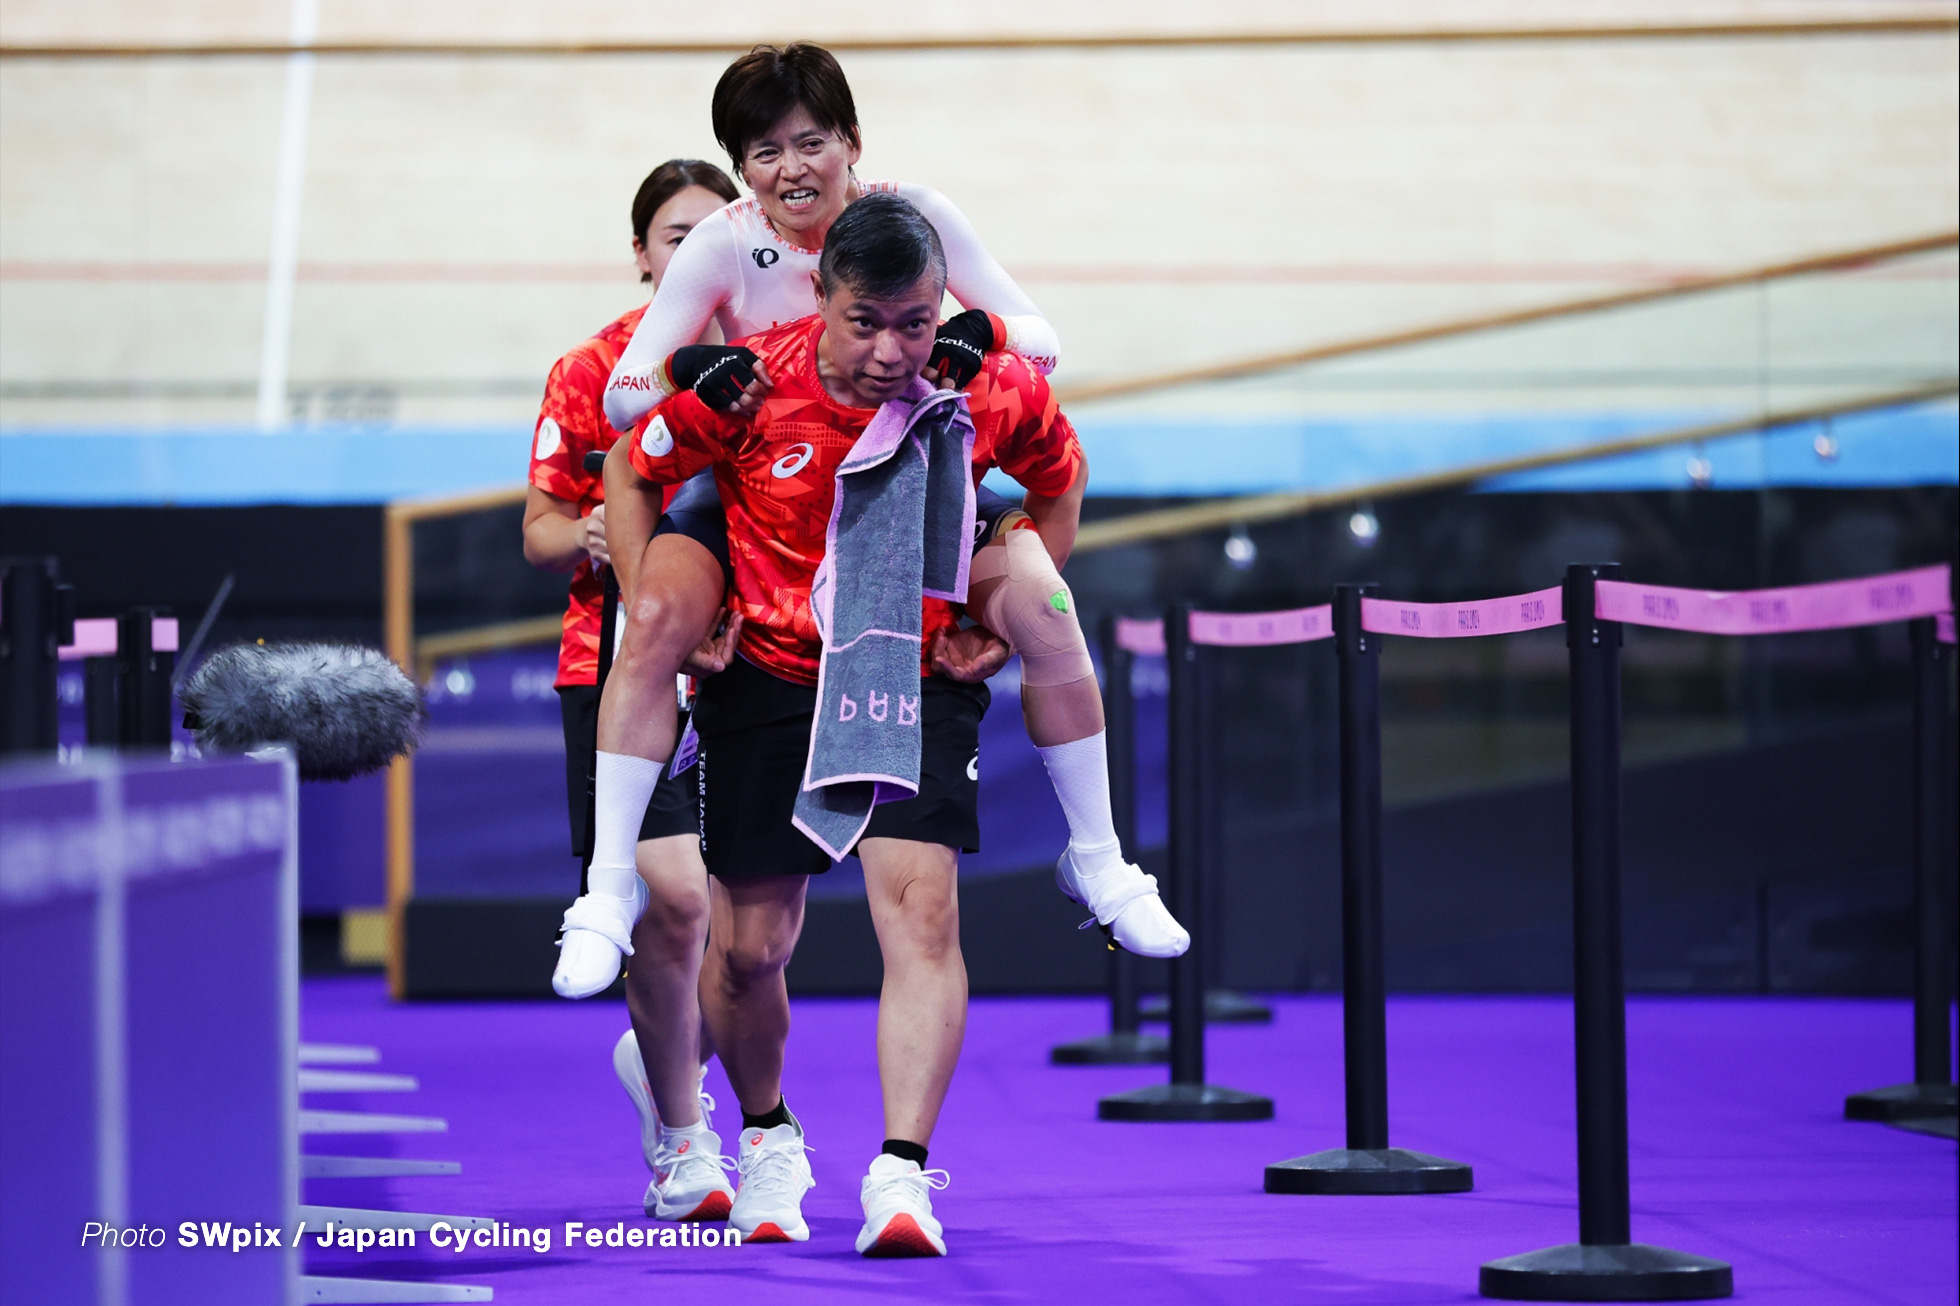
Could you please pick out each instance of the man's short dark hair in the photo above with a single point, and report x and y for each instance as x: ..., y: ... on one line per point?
x: 758, y: 91
x: 879, y: 247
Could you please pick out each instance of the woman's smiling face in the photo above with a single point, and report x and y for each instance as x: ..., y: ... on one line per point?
x: 801, y: 176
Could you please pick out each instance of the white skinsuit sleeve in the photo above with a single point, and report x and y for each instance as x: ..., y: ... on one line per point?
x: 977, y: 281
x: 701, y: 278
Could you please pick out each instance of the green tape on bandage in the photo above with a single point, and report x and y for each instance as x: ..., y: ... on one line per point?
x: 1059, y: 600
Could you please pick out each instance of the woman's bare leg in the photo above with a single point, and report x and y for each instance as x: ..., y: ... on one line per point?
x: 677, y: 596
x: 676, y: 603
x: 1017, y: 593
x: 663, y: 979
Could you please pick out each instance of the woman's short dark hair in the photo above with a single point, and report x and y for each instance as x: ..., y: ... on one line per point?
x: 669, y: 180
x: 880, y: 246
x: 759, y: 90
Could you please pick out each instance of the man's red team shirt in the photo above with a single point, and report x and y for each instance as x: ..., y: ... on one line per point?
x: 777, y: 474
x: 571, y: 423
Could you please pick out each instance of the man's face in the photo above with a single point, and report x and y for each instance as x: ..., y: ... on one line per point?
x: 876, y: 346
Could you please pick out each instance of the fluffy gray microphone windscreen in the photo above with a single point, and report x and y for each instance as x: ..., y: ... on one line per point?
x: 346, y: 710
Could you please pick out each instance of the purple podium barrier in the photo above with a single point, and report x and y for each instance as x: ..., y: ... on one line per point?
x: 148, y: 1031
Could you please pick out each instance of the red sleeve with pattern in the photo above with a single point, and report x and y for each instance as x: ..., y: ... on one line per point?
x: 568, y: 428
x: 1020, y: 429
x: 684, y: 437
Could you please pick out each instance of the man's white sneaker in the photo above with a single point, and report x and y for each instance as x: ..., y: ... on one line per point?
x: 1126, y: 905
x: 688, y: 1179
x: 632, y: 1074
x: 775, y: 1175
x: 598, y: 935
x: 898, y: 1209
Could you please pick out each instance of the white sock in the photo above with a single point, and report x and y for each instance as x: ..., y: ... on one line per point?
x: 694, y: 1131
x: 622, y: 787
x: 1079, y: 771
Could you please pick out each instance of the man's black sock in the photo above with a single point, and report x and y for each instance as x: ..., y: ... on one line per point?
x: 776, y: 1115
x: 905, y: 1151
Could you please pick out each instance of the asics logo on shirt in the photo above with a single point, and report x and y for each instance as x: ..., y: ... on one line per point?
x: 794, y: 461
x: 764, y: 258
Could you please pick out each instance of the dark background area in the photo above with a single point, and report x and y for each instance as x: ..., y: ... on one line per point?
x: 1766, y: 794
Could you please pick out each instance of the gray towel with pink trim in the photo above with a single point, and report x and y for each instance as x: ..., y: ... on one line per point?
x: 900, y: 530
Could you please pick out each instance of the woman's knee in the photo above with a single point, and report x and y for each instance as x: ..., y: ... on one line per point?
x: 1020, y: 596
x: 649, y: 622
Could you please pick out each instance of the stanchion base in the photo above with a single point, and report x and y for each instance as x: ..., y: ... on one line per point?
x: 1222, y: 1007
x: 1619, y: 1272
x: 1903, y: 1102
x: 1935, y: 1127
x: 1366, y: 1171
x: 1112, y: 1050
x: 1185, y: 1102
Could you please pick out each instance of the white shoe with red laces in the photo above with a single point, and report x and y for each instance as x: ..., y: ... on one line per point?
x: 689, y: 1183
x: 897, y: 1201
x: 775, y: 1175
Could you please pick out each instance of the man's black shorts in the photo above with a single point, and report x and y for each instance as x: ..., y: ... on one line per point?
x: 755, y: 741
x: 672, y: 810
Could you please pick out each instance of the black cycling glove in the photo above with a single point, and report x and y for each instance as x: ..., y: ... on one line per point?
x: 717, y: 373
x: 962, y: 344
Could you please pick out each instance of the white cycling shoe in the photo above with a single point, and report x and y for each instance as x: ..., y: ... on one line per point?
x: 597, y: 938
x: 897, y: 1202
x: 632, y: 1074
x: 1126, y: 905
x: 775, y: 1175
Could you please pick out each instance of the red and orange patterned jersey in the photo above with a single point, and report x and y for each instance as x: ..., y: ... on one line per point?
x: 777, y: 474
x: 572, y: 423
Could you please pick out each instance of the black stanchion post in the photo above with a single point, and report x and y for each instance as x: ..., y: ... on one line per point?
x: 1931, y: 1094
x: 1605, y: 1264
x: 1367, y: 1164
x: 1124, y: 1044
x: 1222, y: 1006
x: 143, y: 680
x: 35, y: 620
x: 101, y: 710
x: 1186, y: 745
x: 1187, y: 1096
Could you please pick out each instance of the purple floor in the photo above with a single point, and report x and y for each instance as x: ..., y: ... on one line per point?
x: 1739, y: 1152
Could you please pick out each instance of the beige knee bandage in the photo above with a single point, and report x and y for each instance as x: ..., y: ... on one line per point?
x: 1032, y: 609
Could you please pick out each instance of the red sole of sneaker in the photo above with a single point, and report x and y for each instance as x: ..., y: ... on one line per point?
x: 903, y: 1237
x: 715, y: 1206
x: 767, y: 1232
